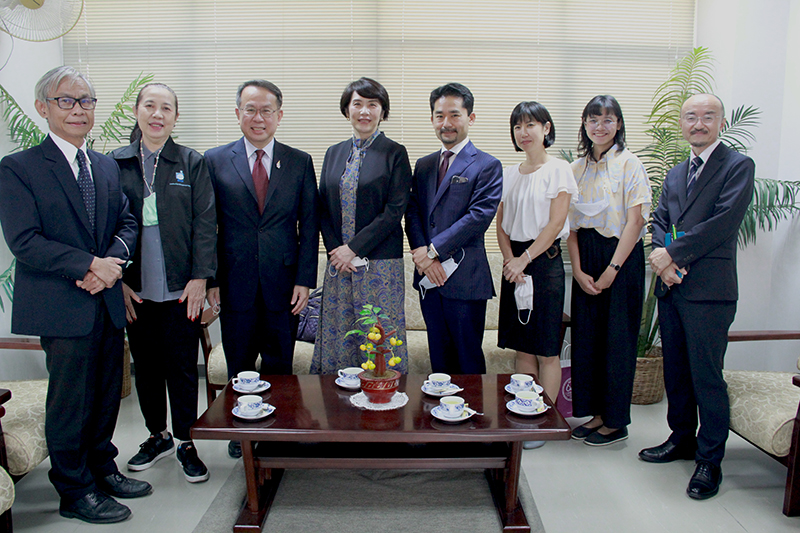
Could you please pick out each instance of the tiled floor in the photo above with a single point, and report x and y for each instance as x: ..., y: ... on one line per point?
x: 577, y: 488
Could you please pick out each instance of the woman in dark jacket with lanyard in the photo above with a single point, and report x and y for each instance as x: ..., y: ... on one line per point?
x: 164, y: 287
x: 364, y: 188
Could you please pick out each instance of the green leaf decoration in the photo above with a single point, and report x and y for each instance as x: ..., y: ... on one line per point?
x: 21, y: 129
x: 119, y: 124
x: 7, y: 283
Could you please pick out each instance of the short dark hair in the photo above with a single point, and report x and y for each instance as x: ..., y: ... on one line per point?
x: 532, y: 111
x: 368, y: 88
x: 264, y: 84
x: 595, y: 108
x: 454, y: 89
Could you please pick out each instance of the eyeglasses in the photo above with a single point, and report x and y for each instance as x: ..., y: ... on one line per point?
x: 706, y: 119
x: 265, y: 112
x: 66, y: 102
x: 593, y: 123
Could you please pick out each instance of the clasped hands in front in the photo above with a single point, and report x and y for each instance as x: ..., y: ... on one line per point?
x: 429, y: 267
x: 103, y: 274
x: 664, y: 267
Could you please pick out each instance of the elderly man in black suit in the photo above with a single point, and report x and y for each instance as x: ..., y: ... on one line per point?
x: 268, y: 236
x: 702, y: 204
x: 67, y: 222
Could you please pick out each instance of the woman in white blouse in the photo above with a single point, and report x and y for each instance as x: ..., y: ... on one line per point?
x: 605, y: 247
x: 531, y: 221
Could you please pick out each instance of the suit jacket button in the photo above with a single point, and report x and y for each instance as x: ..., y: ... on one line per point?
x: 680, y: 222
x: 92, y: 251
x: 433, y: 224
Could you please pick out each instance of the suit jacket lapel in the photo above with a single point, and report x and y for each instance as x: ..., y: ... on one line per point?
x: 63, y: 172
x: 101, y: 196
x: 276, y: 174
x: 463, y: 160
x: 710, y: 170
x: 242, y: 166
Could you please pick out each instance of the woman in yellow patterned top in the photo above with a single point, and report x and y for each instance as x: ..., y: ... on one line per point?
x: 607, y: 223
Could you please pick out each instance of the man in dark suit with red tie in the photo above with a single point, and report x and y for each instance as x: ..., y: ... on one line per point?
x: 67, y: 222
x: 268, y: 236
x: 454, y: 196
x: 695, y: 227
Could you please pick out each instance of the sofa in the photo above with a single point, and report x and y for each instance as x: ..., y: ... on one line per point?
x: 498, y: 360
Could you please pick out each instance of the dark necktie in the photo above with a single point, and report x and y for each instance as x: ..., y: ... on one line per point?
x: 260, y: 180
x: 696, y: 162
x: 446, y: 155
x: 86, y: 185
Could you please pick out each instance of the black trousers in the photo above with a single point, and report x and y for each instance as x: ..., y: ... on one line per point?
x: 82, y: 405
x: 247, y: 334
x: 605, y: 332
x: 164, y: 345
x: 694, y: 339
x: 455, y: 333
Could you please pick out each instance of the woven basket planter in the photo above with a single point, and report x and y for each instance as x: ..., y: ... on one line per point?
x: 648, y: 382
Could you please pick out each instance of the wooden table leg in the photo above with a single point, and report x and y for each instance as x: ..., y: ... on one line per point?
x: 259, y: 496
x: 505, y: 492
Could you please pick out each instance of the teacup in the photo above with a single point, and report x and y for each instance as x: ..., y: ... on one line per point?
x: 452, y: 406
x: 250, y: 404
x: 528, y: 401
x: 350, y: 377
x: 247, y: 380
x: 521, y: 382
x: 437, y: 382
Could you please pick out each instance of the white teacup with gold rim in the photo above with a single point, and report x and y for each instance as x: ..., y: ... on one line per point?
x: 452, y: 406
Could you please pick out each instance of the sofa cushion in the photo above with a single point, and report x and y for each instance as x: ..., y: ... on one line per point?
x: 23, y: 425
x: 6, y: 491
x: 763, y: 408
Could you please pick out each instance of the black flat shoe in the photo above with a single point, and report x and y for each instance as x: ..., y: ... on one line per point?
x: 95, y: 508
x: 124, y: 487
x: 598, y: 439
x: 581, y: 432
x: 666, y: 453
x: 705, y: 481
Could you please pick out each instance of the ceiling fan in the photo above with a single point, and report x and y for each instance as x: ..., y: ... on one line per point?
x: 39, y: 20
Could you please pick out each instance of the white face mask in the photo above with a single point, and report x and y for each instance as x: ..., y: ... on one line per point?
x: 449, y: 267
x: 523, y: 294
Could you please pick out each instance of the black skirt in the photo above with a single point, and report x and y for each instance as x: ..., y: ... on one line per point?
x: 542, y: 333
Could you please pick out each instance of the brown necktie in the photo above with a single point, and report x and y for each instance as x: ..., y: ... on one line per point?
x: 446, y: 155
x: 260, y: 180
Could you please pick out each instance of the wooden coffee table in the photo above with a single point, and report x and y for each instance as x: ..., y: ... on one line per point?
x: 316, y: 426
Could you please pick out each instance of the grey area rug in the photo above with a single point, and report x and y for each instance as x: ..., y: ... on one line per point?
x: 371, y: 501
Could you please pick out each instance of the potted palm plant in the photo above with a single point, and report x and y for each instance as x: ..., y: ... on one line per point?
x: 773, y: 200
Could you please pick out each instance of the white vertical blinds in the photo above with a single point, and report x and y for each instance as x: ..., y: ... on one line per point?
x: 558, y: 52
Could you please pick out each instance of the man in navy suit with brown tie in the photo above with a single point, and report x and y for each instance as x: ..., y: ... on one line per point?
x: 268, y: 236
x: 454, y: 196
x: 695, y: 228
x: 67, y: 222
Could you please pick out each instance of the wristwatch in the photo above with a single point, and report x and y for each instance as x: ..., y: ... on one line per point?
x: 432, y: 253
x: 614, y: 266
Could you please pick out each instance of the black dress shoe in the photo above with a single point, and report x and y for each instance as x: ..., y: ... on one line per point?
x: 235, y: 449
x: 124, y: 487
x: 95, y: 508
x: 705, y: 481
x: 666, y: 453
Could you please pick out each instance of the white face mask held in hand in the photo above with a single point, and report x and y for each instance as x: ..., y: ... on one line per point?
x: 523, y: 294
x: 449, y: 267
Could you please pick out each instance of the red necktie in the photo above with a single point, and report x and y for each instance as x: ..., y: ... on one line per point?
x: 443, y: 166
x: 260, y: 180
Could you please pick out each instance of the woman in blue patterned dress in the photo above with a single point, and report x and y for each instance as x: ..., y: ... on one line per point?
x: 364, y: 188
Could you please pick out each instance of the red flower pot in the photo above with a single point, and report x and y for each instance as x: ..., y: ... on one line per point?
x: 380, y: 390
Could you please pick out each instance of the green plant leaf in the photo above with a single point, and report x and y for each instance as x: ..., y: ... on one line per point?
x: 118, y: 125
x: 773, y: 201
x: 21, y: 129
x: 7, y: 283
x: 735, y: 133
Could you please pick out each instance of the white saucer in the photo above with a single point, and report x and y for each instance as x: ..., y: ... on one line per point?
x: 268, y: 410
x: 512, y: 406
x: 262, y: 386
x: 536, y: 387
x: 342, y: 384
x: 466, y: 414
x: 452, y: 389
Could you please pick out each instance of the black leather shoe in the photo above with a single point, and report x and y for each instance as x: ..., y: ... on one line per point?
x: 705, y: 481
x: 666, y: 453
x: 95, y: 508
x: 124, y: 487
x: 235, y: 449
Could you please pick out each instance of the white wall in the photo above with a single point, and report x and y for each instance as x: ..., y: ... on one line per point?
x: 26, y: 64
x: 758, y: 53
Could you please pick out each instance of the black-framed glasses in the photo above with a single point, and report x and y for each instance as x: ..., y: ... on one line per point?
x: 66, y: 102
